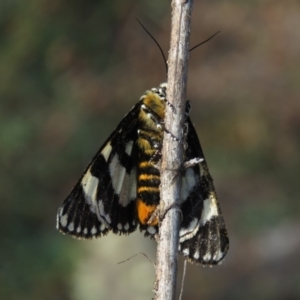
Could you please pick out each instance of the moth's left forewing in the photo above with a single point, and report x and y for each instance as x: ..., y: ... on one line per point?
x: 104, y: 197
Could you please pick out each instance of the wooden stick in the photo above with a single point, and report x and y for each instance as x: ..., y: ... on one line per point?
x: 173, y: 152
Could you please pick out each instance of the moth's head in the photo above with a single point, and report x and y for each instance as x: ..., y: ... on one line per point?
x: 161, y: 91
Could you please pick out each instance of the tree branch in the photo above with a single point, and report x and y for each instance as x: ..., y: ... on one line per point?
x: 173, y: 152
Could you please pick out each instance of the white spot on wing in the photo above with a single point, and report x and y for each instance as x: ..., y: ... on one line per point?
x: 117, y: 174
x: 196, y: 255
x: 217, y: 256
x: 78, y: 229
x: 71, y: 226
x: 210, y: 209
x: 89, y: 185
x: 58, y: 217
x: 151, y: 229
x: 64, y: 220
x: 126, y: 226
x: 85, y: 231
x: 207, y: 257
x: 128, y: 147
x: 188, y: 183
x: 128, y: 190
x: 186, y: 252
x: 119, y: 226
x: 106, y: 151
x: 93, y: 230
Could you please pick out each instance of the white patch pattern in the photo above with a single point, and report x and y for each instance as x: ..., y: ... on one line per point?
x: 210, y: 209
x: 188, y: 183
x: 126, y: 226
x: 64, y: 220
x: 93, y: 230
x: 207, y: 257
x: 71, y: 226
x: 128, y: 147
x: 128, y: 190
x: 151, y: 229
x: 106, y: 151
x: 89, y: 185
x: 117, y: 174
x: 196, y: 255
x: 58, y: 216
x: 186, y: 252
x: 218, y: 256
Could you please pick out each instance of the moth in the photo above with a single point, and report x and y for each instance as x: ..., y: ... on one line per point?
x: 120, y: 189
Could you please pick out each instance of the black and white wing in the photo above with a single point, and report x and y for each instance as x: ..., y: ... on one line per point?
x: 203, y: 237
x: 104, y: 197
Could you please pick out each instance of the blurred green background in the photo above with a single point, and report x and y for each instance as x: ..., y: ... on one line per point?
x: 70, y: 70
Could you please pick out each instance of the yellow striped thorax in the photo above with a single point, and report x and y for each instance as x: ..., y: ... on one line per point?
x: 151, y: 117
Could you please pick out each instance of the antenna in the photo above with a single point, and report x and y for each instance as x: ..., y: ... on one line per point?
x: 158, y: 45
x: 161, y: 50
x: 193, y: 48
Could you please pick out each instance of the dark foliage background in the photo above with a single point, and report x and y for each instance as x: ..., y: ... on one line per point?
x: 70, y: 70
